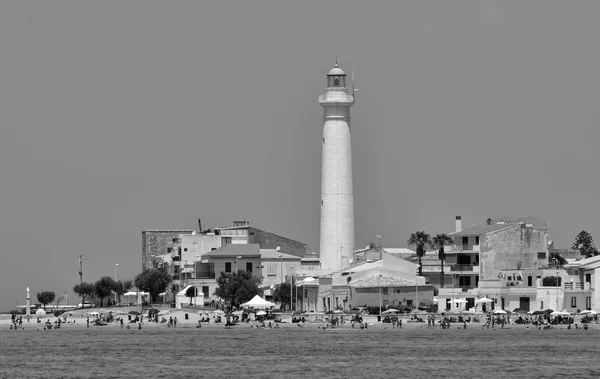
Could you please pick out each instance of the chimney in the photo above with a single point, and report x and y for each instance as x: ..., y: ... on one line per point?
x: 458, y: 223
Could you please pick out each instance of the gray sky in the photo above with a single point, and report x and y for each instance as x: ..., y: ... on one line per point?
x: 123, y: 116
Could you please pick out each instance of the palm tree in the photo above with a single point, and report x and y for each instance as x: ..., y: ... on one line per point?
x: 439, y: 242
x: 421, y: 240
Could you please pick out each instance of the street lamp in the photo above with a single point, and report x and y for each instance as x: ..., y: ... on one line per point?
x: 116, y: 264
x: 379, y: 238
x: 557, y: 286
x: 380, y: 297
x: 236, y: 266
x: 417, y: 289
x: 195, y: 277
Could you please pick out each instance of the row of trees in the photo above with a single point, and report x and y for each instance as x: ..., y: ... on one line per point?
x: 422, y: 240
x: 102, y: 289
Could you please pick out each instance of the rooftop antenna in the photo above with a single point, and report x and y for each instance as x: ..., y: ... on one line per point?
x: 353, y: 89
x: 336, y: 59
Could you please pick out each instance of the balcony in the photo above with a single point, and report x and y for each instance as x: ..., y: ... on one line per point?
x: 464, y: 268
x: 465, y: 247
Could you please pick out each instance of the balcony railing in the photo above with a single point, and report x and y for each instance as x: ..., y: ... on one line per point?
x: 461, y: 268
x: 569, y: 286
x: 463, y: 247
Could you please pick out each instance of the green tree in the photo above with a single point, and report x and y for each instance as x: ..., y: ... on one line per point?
x: 585, y: 244
x: 84, y: 289
x: 559, y: 259
x: 46, y: 297
x: 104, y: 287
x: 420, y: 240
x: 281, y: 294
x: 122, y: 287
x: 191, y: 293
x: 438, y: 242
x: 153, y: 281
x: 237, y: 288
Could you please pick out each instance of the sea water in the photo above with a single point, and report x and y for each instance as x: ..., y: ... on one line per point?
x: 310, y: 352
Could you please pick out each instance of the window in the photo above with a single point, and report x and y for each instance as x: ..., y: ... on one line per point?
x: 588, y: 278
x: 541, y: 304
x: 477, y: 240
x: 227, y: 266
x: 464, y: 281
x: 185, y: 249
x: 573, y: 301
x: 248, y: 266
x: 205, y: 291
x: 529, y: 280
x: 336, y: 82
x: 213, y: 249
x: 226, y: 241
x: 588, y: 302
x: 384, y: 290
x: 409, y: 302
x: 541, y: 255
x: 271, y: 270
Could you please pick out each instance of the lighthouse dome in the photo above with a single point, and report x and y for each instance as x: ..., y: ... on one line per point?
x: 336, y: 71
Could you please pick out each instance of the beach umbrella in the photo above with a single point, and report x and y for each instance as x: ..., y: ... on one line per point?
x: 536, y: 313
x: 40, y: 312
x: 337, y: 311
x: 499, y: 312
x: 219, y: 312
x: 588, y: 312
x: 93, y: 313
x: 261, y: 313
x: 484, y: 300
x: 548, y: 311
x: 519, y: 310
x: 391, y: 310
x: 435, y: 300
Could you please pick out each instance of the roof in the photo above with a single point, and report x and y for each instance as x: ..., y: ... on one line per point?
x: 251, y: 249
x: 274, y: 254
x: 589, y: 263
x: 336, y: 70
x: 498, y: 225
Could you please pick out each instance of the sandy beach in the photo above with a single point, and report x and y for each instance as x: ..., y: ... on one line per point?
x: 189, y: 319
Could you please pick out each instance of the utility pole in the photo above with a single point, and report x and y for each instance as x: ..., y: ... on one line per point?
x: 80, y: 269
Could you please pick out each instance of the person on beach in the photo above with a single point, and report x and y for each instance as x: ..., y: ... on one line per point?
x: 170, y: 321
x: 121, y: 322
x: 175, y: 322
x: 88, y: 322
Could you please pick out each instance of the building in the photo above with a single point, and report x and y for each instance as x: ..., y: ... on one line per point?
x: 486, y: 260
x: 277, y: 267
x: 388, y: 281
x: 156, y: 242
x: 337, y: 198
x: 243, y: 233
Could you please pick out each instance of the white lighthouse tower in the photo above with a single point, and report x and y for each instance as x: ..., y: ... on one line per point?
x: 337, y: 198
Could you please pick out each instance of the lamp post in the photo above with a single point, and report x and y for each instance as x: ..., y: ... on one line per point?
x: 195, y: 277
x: 380, y: 276
x: 116, y: 264
x: 280, y: 268
x: 417, y: 289
x: 557, y: 286
x: 379, y: 238
x: 236, y: 265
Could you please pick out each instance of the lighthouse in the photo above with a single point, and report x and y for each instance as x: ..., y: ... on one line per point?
x: 337, y: 198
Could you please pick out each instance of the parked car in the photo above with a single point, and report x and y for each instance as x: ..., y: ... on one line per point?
x: 86, y: 304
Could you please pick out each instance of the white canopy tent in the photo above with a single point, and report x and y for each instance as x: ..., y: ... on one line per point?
x: 258, y: 302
